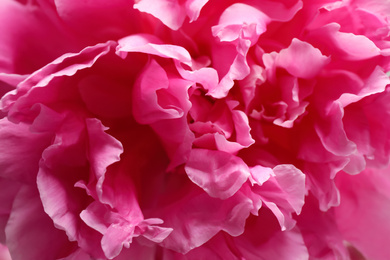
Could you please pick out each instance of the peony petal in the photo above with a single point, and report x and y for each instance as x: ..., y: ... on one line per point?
x: 4, y: 253
x: 21, y: 48
x: 283, y: 193
x: 35, y: 89
x: 104, y: 150
x: 171, y: 12
x: 31, y: 229
x: 301, y: 59
x: 345, y: 45
x: 150, y: 44
x: 220, y: 174
x: 365, y: 209
x: 204, y: 217
x: 320, y: 232
x: 9, y: 190
x: 156, y: 97
x: 332, y: 134
x: 103, y: 20
x: 11, y: 152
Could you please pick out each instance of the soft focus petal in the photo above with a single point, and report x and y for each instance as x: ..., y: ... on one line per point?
x: 364, y: 209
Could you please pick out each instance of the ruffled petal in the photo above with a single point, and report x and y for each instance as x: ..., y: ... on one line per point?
x: 220, y: 174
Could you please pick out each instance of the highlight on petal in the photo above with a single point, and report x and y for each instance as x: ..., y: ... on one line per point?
x: 300, y: 59
x: 283, y: 193
x: 172, y: 13
x: 149, y: 44
x: 346, y: 45
x: 220, y: 174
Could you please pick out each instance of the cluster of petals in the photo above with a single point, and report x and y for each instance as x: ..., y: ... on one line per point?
x: 194, y: 129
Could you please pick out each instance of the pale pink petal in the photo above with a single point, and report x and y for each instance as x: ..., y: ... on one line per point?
x: 220, y: 174
x: 241, y: 25
x: 4, y: 253
x: 300, y: 59
x: 150, y: 44
x: 171, y: 12
x: 216, y: 248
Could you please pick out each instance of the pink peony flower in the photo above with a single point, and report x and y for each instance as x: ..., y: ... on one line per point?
x: 194, y: 129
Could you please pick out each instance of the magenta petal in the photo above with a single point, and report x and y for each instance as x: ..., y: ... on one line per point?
x: 220, y: 174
